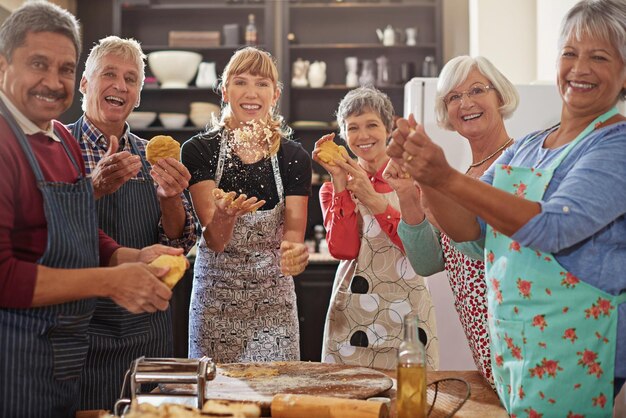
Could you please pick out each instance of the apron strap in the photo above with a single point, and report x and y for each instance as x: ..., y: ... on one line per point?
x: 600, y: 119
x: 621, y: 298
x: 28, y: 152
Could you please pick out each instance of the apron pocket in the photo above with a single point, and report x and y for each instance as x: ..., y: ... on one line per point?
x: 507, y: 358
x: 69, y: 345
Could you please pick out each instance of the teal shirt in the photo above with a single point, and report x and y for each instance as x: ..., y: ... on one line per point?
x: 422, y: 244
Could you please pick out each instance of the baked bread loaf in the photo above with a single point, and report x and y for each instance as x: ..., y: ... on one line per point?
x: 331, y: 152
x: 162, y: 146
x: 177, y: 265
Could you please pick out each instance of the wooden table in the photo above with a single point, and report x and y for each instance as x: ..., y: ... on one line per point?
x: 483, y: 401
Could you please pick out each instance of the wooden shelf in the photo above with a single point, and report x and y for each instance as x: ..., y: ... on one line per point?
x: 423, y: 45
x: 360, y: 5
x: 159, y: 129
x: 153, y: 88
x: 340, y: 87
x: 192, y: 6
x: 151, y: 48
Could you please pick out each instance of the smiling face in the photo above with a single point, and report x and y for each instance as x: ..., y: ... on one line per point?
x: 476, y: 116
x: 366, y: 136
x: 590, y: 76
x: 251, y: 97
x: 111, y: 93
x: 40, y: 78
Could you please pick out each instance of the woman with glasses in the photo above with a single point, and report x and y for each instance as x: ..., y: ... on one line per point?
x: 473, y: 98
x: 552, y: 213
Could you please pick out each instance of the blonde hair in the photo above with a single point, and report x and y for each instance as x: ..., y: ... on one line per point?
x: 258, y: 63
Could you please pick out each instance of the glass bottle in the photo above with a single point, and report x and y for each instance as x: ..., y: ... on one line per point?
x: 411, y: 371
x: 251, y: 38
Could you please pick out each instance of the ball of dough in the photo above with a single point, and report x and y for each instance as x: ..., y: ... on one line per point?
x: 162, y: 146
x: 331, y: 152
x: 177, y: 265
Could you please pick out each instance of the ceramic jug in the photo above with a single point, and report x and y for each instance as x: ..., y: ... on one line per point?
x: 317, y: 74
x: 207, y: 77
x: 388, y: 36
x: 383, y: 71
x: 299, y: 70
x: 352, y: 78
x: 367, y: 77
x: 411, y: 36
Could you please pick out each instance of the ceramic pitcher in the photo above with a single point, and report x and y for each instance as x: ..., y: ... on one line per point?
x: 207, y: 76
x: 317, y: 74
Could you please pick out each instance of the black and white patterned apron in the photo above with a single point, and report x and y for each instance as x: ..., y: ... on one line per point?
x: 43, y: 349
x: 117, y: 337
x: 242, y: 308
x: 371, y: 295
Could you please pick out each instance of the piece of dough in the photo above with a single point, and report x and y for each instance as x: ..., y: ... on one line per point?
x: 177, y: 265
x: 248, y: 410
x: 331, y: 152
x: 162, y: 146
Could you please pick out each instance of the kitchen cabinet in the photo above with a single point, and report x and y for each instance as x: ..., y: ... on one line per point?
x: 151, y: 21
x: 313, y: 289
x: 349, y: 29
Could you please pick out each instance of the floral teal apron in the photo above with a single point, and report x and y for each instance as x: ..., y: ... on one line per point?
x: 553, y: 335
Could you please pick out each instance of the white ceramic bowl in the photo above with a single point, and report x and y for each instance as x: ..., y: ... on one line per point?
x: 174, y: 69
x: 200, y: 120
x: 141, y: 120
x: 173, y: 120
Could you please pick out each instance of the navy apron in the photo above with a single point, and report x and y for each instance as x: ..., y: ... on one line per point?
x: 43, y: 349
x: 130, y: 216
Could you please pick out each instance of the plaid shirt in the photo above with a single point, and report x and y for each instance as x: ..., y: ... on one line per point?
x: 94, y: 147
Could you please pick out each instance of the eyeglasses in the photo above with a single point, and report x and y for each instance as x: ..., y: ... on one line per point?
x: 477, y: 90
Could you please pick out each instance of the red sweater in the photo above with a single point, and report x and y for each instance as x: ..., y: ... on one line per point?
x: 341, y: 222
x: 23, y: 226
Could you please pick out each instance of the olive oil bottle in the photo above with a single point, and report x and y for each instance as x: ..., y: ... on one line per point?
x: 411, y: 395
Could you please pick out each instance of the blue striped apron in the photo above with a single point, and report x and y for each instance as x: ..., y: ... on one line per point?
x: 242, y: 307
x: 43, y: 349
x: 131, y: 216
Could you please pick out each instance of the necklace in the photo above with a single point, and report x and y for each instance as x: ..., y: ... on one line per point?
x: 490, y: 156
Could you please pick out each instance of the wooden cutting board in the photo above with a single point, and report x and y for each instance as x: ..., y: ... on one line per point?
x: 259, y: 382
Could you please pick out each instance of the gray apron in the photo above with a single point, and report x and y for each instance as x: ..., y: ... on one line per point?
x: 117, y: 337
x: 43, y: 349
x: 242, y: 308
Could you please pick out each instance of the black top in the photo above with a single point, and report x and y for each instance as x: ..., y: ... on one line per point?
x: 201, y: 153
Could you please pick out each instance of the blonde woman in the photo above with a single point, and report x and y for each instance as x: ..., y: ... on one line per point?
x: 250, y: 188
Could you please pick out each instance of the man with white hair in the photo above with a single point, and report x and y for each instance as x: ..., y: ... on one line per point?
x: 137, y: 205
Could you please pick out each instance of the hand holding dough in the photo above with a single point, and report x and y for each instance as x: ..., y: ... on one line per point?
x: 329, y: 152
x: 177, y: 265
x: 162, y: 146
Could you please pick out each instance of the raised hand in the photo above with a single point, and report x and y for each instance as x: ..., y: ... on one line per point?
x: 397, y: 178
x: 114, y: 169
x: 233, y: 205
x: 338, y: 174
